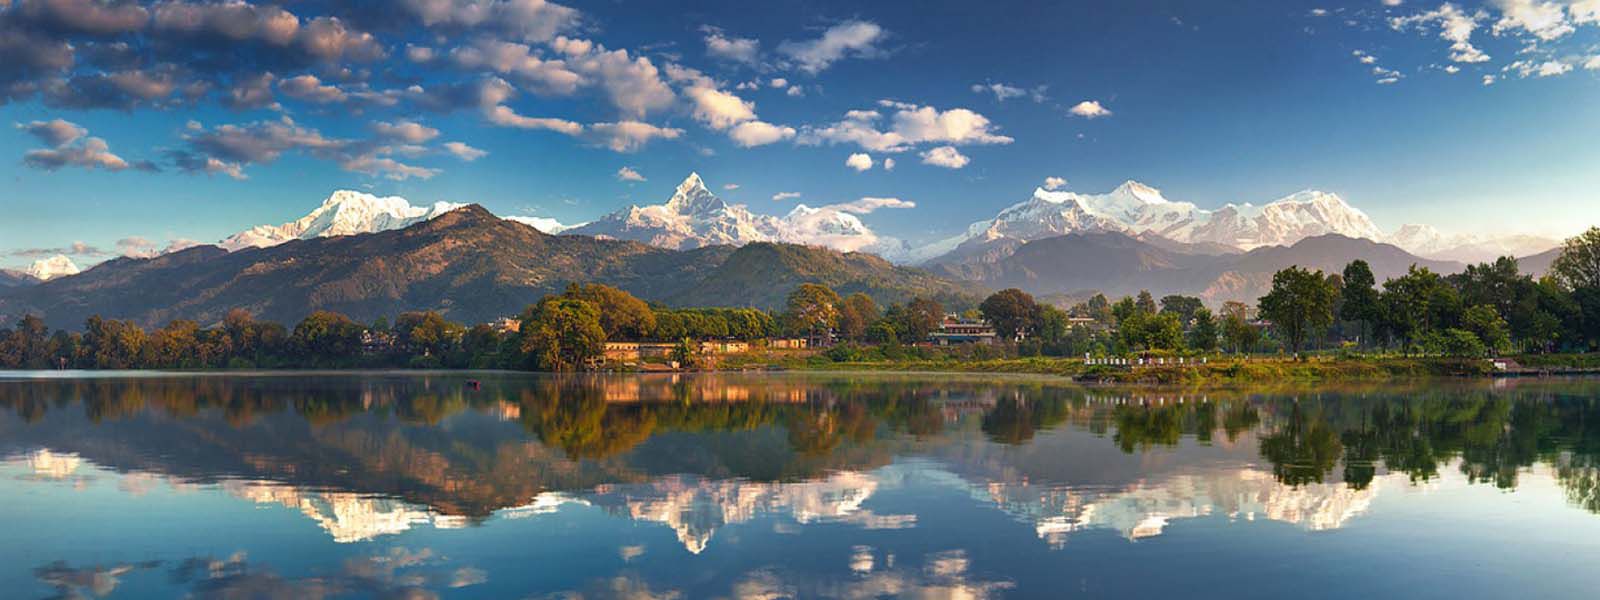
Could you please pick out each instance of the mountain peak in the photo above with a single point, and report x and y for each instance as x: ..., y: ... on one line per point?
x: 46, y: 269
x: 1140, y: 191
x: 344, y: 212
x: 692, y: 197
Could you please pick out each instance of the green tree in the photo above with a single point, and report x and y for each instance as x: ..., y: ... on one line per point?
x: 1182, y: 306
x: 623, y: 316
x: 1578, y: 265
x: 1203, y: 334
x: 427, y: 333
x: 1012, y: 312
x: 1485, y: 322
x: 1146, y: 303
x: 1299, y: 305
x: 921, y: 317
x: 1360, y: 298
x: 326, y: 338
x: 856, y: 313
x: 812, y: 310
x: 562, y: 334
x: 1418, y: 303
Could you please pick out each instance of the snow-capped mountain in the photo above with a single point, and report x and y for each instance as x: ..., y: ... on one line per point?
x: 1429, y: 242
x: 1134, y: 208
x: 694, y: 217
x: 46, y: 269
x: 346, y: 212
x: 545, y: 224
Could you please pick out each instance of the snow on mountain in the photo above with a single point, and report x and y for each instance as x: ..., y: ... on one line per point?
x: 1135, y: 208
x: 694, y: 217
x: 345, y: 212
x: 1427, y: 241
x: 46, y: 269
x: 544, y: 224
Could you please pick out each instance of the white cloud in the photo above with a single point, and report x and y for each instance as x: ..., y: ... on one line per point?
x: 888, y: 164
x: 868, y: 204
x: 54, y: 133
x: 505, y: 117
x: 1089, y: 109
x: 530, y: 20
x: 518, y: 62
x: 730, y: 186
x: 1489, y: 79
x: 945, y: 156
x: 409, y: 132
x: 859, y: 161
x: 1003, y: 92
x: 464, y: 152
x: 718, y: 109
x: 628, y: 174
x: 1593, y: 63
x: 795, y: 91
x: 722, y: 46
x: 628, y: 136
x: 851, y: 38
x: 1530, y: 68
x: 1455, y: 26
x: 1545, y: 20
x: 779, y: 82
x: 632, y: 83
x: 781, y: 196
x: 909, y: 125
x: 759, y: 133
x: 1584, y: 12
x: 311, y: 89
x: 1054, y: 183
x: 419, y: 54
x: 92, y: 153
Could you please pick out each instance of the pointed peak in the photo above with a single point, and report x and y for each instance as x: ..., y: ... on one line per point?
x: 691, y: 182
x: 1140, y: 191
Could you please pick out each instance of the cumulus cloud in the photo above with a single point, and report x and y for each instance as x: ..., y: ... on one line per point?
x: 848, y: 39
x: 633, y: 84
x: 70, y: 146
x: 529, y: 20
x: 859, y: 161
x: 908, y: 126
x: 868, y: 204
x: 1455, y: 26
x: 628, y: 136
x: 888, y: 164
x: 251, y: 91
x: 629, y: 174
x: 782, y: 196
x: 1003, y: 92
x: 409, y: 132
x: 311, y: 89
x: 1089, y: 109
x: 759, y: 133
x: 228, y: 148
x: 719, y: 45
x: 1054, y: 183
x: 1537, y: 68
x: 718, y: 109
x: 464, y: 152
x: 1543, y: 19
x: 945, y: 156
x: 54, y: 133
x: 519, y: 62
x: 84, y: 16
x: 504, y: 116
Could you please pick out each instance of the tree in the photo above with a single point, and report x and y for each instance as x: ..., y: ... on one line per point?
x: 1203, y: 334
x: 1146, y: 303
x: 1299, y: 304
x: 562, y: 333
x: 812, y: 310
x: 1483, y: 321
x: 1418, y: 303
x: 1578, y: 265
x: 1012, y: 312
x: 1160, y: 331
x: 622, y: 315
x: 1099, y: 309
x: 1182, y: 306
x: 855, y: 314
x: 1360, y: 298
x: 326, y: 338
x: 428, y: 333
x: 922, y: 316
x: 1240, y: 335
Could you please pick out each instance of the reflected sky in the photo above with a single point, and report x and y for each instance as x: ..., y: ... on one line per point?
x: 776, y: 486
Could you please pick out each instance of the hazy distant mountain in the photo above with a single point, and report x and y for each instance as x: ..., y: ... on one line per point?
x: 1425, y: 240
x: 345, y: 212
x: 1117, y: 264
x: 1137, y: 209
x: 10, y: 279
x: 46, y: 269
x: 466, y: 263
x: 1538, y: 265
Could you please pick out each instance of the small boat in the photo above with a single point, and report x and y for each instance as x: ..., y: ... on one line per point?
x: 473, y: 384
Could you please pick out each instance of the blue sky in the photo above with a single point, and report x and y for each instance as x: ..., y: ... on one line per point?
x: 193, y: 120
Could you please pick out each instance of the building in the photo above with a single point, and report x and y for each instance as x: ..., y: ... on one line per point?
x: 787, y: 344
x: 506, y: 325
x: 955, y: 330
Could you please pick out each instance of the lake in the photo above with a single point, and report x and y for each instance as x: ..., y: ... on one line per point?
x: 489, y: 485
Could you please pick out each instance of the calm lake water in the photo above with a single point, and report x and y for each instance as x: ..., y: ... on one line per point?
x: 776, y: 486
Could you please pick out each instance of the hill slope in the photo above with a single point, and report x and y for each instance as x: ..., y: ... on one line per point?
x: 467, y: 263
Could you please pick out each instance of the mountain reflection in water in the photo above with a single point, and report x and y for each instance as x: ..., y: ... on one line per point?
x: 375, y: 457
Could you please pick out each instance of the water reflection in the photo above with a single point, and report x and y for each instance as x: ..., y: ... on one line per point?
x: 373, y: 458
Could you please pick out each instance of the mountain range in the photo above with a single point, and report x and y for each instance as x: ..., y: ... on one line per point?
x: 466, y: 263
